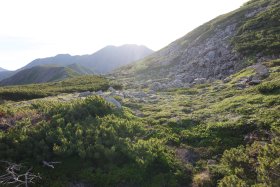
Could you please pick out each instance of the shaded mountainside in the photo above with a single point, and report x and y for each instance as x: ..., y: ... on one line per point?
x: 102, y: 61
x: 5, y: 74
x: 217, y: 48
x: 39, y: 74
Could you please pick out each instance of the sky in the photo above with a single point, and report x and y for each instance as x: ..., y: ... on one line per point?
x: 33, y: 29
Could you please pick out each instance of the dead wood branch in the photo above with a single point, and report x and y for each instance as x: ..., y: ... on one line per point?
x: 15, y: 175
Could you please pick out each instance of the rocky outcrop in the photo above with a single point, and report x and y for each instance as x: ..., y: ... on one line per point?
x: 203, y: 55
x: 260, y: 72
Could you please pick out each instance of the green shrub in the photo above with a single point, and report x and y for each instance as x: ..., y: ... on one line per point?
x: 260, y: 34
x: 270, y: 87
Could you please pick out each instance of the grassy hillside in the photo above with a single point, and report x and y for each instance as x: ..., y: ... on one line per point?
x: 39, y: 74
x: 80, y: 69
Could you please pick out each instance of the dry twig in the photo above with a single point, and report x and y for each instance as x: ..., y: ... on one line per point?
x: 14, y: 175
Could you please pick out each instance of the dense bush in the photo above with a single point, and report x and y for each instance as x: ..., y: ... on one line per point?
x: 110, y: 142
x: 253, y: 165
x: 270, y: 87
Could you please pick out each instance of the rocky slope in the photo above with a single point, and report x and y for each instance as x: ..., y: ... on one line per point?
x: 214, y: 50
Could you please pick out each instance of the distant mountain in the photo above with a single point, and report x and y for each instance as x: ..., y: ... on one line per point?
x: 80, y: 69
x: 2, y: 69
x: 39, y: 74
x: 100, y: 62
x: 64, y: 65
x: 5, y: 74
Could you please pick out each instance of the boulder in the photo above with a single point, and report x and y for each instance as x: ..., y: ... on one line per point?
x: 113, y: 101
x: 85, y: 94
x: 100, y: 92
x: 226, y: 80
x: 240, y: 86
x: 174, y: 84
x: 254, y: 82
x: 111, y: 89
x: 200, y: 81
x: 188, y: 79
x: 261, y: 71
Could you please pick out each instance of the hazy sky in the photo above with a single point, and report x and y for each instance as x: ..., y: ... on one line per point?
x: 31, y: 29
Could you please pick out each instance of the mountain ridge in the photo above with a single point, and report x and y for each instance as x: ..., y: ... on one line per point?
x: 100, y: 61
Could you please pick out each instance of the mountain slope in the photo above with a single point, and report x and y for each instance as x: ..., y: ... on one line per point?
x: 39, y: 74
x: 80, y: 69
x: 102, y: 61
x: 2, y: 69
x: 216, y: 49
x: 111, y: 57
x: 5, y: 74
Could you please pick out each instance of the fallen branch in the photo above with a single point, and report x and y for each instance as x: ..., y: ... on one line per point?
x: 13, y: 175
x: 50, y: 164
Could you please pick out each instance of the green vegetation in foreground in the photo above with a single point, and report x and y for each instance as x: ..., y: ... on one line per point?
x: 32, y: 91
x: 208, y: 135
x: 96, y: 145
x: 229, y: 137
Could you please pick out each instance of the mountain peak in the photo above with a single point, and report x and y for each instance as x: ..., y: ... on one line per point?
x: 62, y: 55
